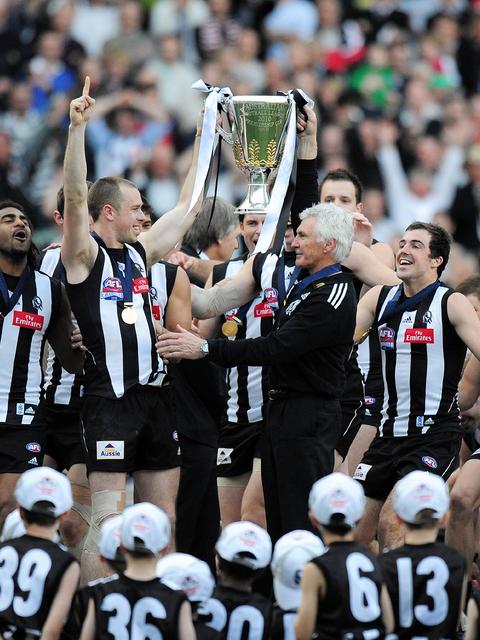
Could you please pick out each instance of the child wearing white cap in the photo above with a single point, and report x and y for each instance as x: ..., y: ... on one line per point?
x: 38, y: 578
x: 192, y: 576
x: 243, y: 550
x: 424, y: 577
x: 342, y: 591
x: 137, y: 602
x: 291, y: 554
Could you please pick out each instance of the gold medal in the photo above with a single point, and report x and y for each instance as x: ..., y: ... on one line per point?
x: 129, y: 315
x: 230, y: 327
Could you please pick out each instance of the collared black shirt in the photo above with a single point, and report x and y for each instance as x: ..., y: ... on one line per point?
x: 311, y: 341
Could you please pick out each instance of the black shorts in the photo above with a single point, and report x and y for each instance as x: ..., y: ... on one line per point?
x: 353, y: 412
x: 238, y: 445
x: 21, y: 447
x: 136, y: 432
x: 64, y: 434
x: 373, y: 411
x: 389, y: 459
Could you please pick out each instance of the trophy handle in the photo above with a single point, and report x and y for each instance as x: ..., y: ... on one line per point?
x: 228, y: 137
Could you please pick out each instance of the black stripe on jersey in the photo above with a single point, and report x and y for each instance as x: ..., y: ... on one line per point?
x: 170, y: 277
x: 389, y: 365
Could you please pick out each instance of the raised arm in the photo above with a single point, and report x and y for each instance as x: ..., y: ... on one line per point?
x: 227, y: 294
x: 79, y: 249
x: 169, y: 230
x: 368, y: 268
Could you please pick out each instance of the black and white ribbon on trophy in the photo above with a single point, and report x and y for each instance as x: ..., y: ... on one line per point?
x: 209, y: 138
x: 281, y: 197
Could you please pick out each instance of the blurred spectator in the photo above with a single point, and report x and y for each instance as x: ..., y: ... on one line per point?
x: 130, y: 40
x: 289, y: 20
x: 465, y: 209
x: 421, y: 195
x: 156, y: 177
x: 49, y: 74
x: 179, y: 18
x: 174, y: 78
x: 373, y: 79
x: 8, y: 189
x: 468, y: 55
x: 95, y: 22
x: 219, y: 30
x: 126, y: 126
x: 61, y: 14
x: 248, y: 67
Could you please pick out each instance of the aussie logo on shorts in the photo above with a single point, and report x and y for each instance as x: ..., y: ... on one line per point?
x: 112, y: 289
x: 430, y: 462
x: 108, y: 449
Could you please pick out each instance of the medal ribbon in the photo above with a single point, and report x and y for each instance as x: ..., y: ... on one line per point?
x: 314, y: 277
x: 410, y: 304
x: 11, y: 300
x: 126, y: 280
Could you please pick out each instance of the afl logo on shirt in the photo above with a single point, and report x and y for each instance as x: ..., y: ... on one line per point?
x: 430, y: 462
x: 112, y: 289
x: 386, y: 335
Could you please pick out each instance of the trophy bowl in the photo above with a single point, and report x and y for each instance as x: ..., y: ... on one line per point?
x: 258, y: 127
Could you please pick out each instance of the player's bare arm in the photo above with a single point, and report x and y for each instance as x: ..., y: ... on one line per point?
x: 313, y: 590
x: 469, y: 387
x: 179, y: 308
x: 463, y: 317
x: 368, y: 268
x: 227, y: 294
x: 79, y: 249
x: 61, y: 603
x: 366, y: 313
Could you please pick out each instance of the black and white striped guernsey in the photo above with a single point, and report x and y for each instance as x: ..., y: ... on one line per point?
x: 162, y: 280
x: 60, y: 386
x: 422, y: 358
x: 22, y: 341
x: 248, y: 385
x: 119, y: 356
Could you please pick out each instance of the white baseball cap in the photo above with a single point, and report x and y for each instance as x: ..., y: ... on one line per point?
x: 13, y: 526
x: 109, y: 542
x: 43, y: 484
x: 334, y: 494
x: 245, y: 543
x: 417, y: 491
x: 291, y: 554
x: 145, y: 527
x: 186, y: 573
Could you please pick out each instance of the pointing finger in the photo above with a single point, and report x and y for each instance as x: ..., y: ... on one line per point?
x: 86, y: 86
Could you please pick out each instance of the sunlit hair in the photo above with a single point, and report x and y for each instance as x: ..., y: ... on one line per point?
x: 332, y: 223
x: 343, y: 175
x: 440, y: 241
x: 106, y: 191
x: 207, y: 228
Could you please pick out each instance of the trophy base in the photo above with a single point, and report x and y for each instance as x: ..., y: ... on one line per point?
x: 257, y: 199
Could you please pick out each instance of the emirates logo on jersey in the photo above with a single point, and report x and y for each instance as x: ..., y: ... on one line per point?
x: 156, y: 312
x: 419, y: 336
x: 140, y: 285
x: 26, y: 320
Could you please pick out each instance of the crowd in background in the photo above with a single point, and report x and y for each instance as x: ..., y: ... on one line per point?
x: 396, y: 84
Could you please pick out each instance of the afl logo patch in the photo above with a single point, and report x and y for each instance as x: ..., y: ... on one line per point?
x: 34, y: 447
x: 430, y: 462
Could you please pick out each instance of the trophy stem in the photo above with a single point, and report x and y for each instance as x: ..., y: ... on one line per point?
x: 256, y: 200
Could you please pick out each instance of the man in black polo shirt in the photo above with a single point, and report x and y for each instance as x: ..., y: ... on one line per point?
x: 306, y: 353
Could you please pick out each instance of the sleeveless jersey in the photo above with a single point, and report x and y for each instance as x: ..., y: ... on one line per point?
x: 370, y: 364
x: 352, y: 605
x: 162, y: 280
x: 425, y: 586
x: 60, y: 386
x: 283, y: 624
x: 422, y: 359
x: 31, y: 570
x: 119, y: 356
x: 22, y: 341
x: 238, y: 614
x: 126, y: 608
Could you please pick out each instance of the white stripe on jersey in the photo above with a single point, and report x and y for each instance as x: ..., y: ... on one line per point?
x: 63, y: 390
x: 386, y: 397
x: 435, y: 361
x: 338, y: 294
x: 159, y: 282
x: 9, y: 345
